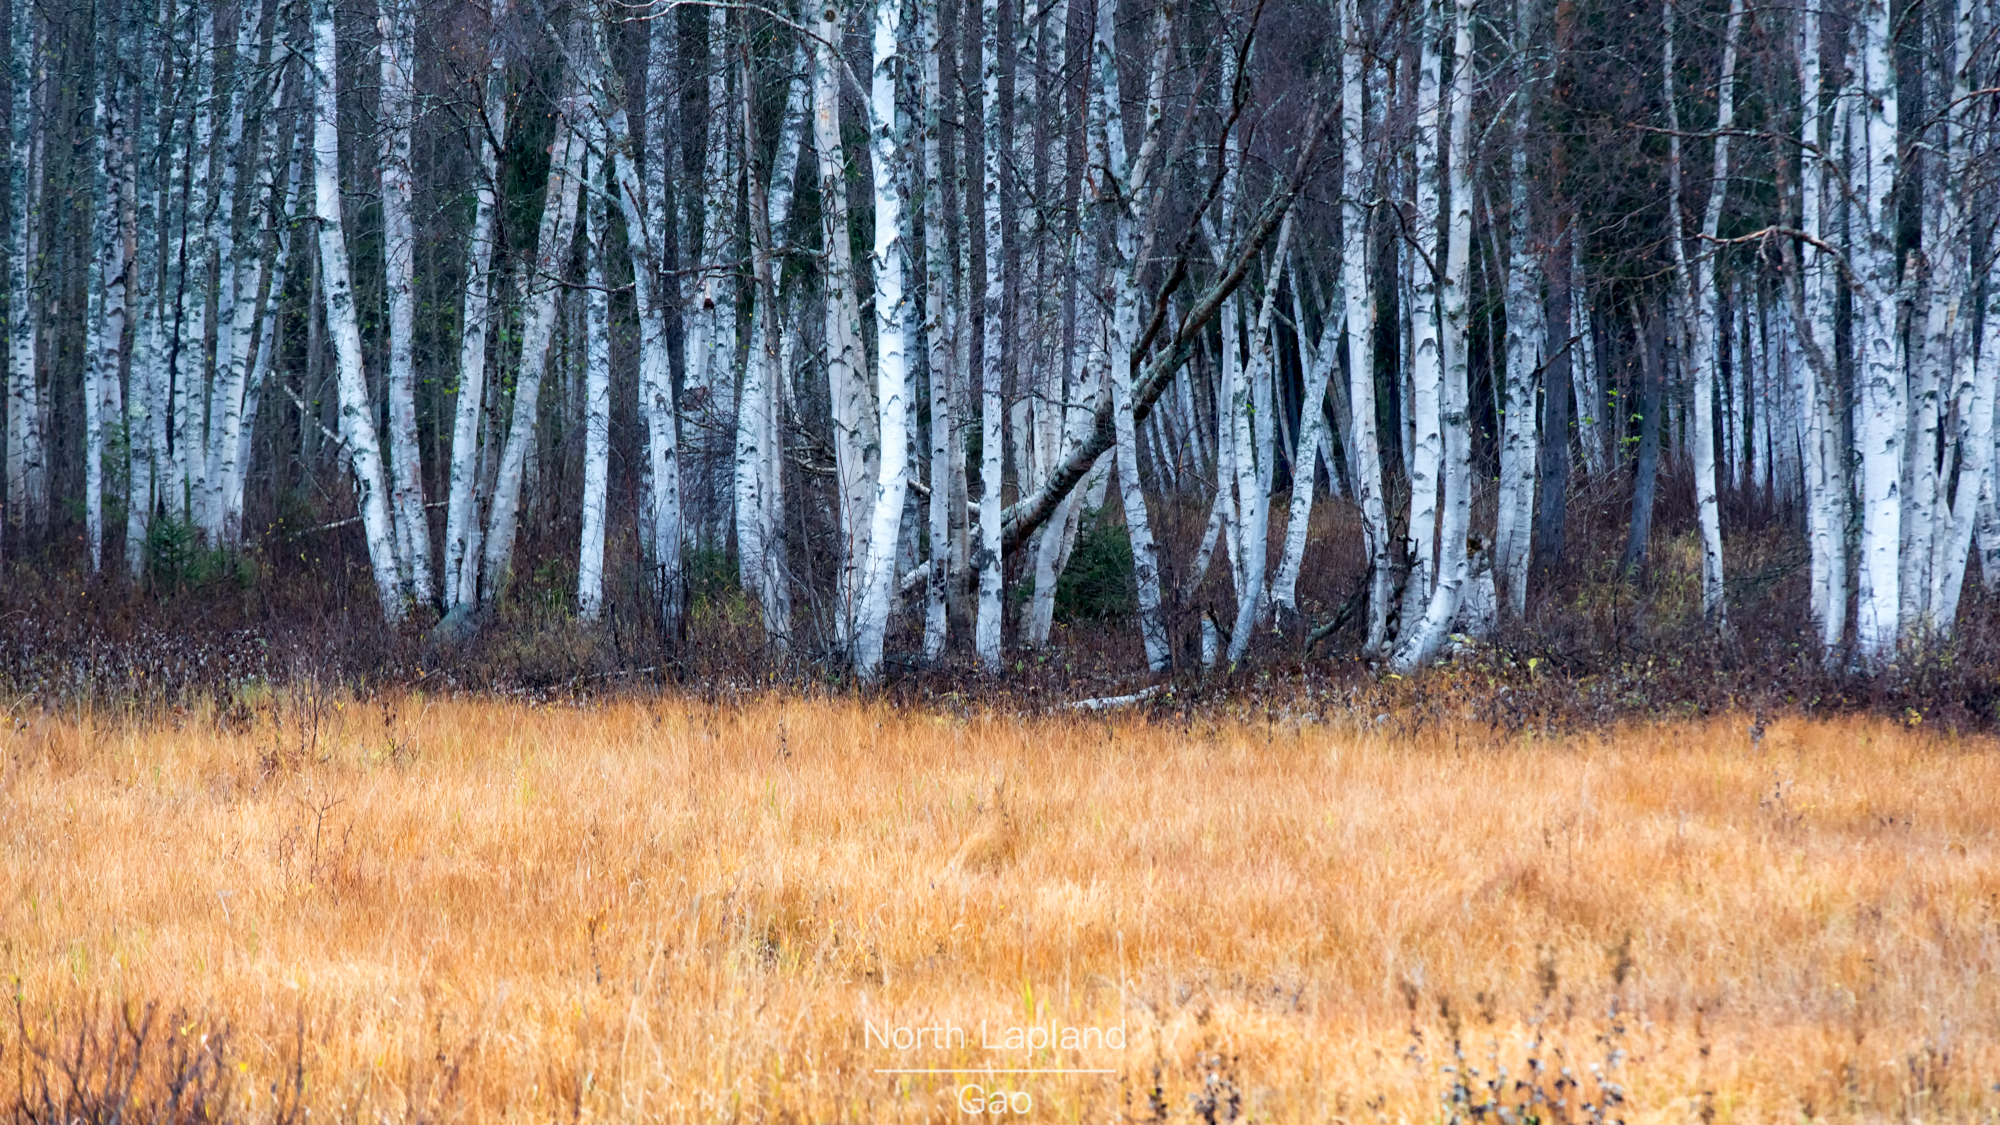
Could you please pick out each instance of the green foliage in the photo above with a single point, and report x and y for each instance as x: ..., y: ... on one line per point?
x: 714, y: 593
x: 1097, y: 585
x: 176, y: 559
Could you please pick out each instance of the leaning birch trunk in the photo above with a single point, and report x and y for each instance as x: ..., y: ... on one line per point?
x: 855, y: 450
x: 1975, y: 467
x: 357, y: 419
x: 1700, y: 295
x: 248, y: 282
x: 399, y: 246
x: 461, y: 535
x: 1453, y: 565
x: 544, y: 283
x: 596, y: 395
x: 1256, y: 522
x: 1365, y: 453
x: 284, y: 235
x: 1880, y: 421
x: 1520, y: 439
x: 1318, y: 358
x: 1133, y: 238
x: 938, y: 330
x: 892, y: 312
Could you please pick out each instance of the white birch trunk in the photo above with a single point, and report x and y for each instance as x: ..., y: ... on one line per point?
x: 939, y: 327
x: 1880, y: 408
x: 144, y: 414
x: 462, y: 525
x: 1455, y: 511
x: 1520, y: 438
x: 856, y: 451
x: 759, y: 439
x: 543, y: 287
x: 1975, y: 441
x: 1592, y: 429
x: 107, y: 308
x: 1426, y: 368
x: 1318, y: 358
x: 596, y: 395
x: 286, y: 239
x: 357, y: 421
x: 236, y: 358
x: 714, y: 351
x: 1129, y: 181
x: 1700, y: 297
x: 987, y: 561
x: 188, y: 438
x: 663, y: 529
x: 1256, y: 521
x: 399, y: 235
x: 1813, y: 300
x: 234, y: 94
x: 893, y: 327
x: 1365, y: 448
x: 26, y: 481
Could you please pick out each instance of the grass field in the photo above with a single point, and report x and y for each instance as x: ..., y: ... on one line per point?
x: 478, y: 910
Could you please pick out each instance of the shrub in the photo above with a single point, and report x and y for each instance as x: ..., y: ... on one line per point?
x: 1097, y: 585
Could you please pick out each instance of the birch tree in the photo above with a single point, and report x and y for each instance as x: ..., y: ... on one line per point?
x: 1519, y: 437
x: 462, y: 552
x: 596, y: 386
x: 1455, y: 511
x: 894, y: 331
x: 357, y: 416
x: 553, y: 240
x: 1700, y: 296
x: 399, y: 236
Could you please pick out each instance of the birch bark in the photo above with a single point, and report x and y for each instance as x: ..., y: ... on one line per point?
x: 1125, y: 183
x: 939, y: 327
x: 596, y: 389
x: 1455, y: 515
x: 987, y: 560
x: 1880, y: 408
x: 357, y: 420
x: 399, y: 242
x: 1426, y: 366
x: 1700, y: 296
x: 462, y: 525
x: 1365, y: 454
x: 1318, y: 358
x: 894, y: 331
x: 1520, y: 437
x: 106, y: 288
x: 543, y: 286
x: 856, y: 449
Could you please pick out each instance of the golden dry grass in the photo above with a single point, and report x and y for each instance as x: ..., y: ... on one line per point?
x: 666, y: 910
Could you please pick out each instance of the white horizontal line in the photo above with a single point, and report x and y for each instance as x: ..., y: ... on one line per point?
x: 990, y: 1070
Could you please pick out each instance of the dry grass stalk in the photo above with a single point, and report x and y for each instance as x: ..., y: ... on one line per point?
x: 488, y: 911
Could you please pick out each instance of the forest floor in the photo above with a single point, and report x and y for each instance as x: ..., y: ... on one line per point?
x: 414, y: 907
